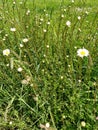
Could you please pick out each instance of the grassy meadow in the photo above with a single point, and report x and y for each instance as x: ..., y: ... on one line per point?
x: 48, y: 65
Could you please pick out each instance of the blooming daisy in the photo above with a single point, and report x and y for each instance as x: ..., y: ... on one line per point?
x: 83, y: 124
x: 25, y: 40
x: 6, y: 52
x: 12, y: 29
x: 68, y: 23
x: 82, y: 52
x: 19, y: 69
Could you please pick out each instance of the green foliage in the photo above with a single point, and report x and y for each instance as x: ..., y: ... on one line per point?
x: 42, y: 79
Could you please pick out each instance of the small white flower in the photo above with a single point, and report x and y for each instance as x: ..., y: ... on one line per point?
x: 79, y: 29
x: 79, y: 17
x: 47, y: 46
x: 19, y: 69
x: 25, y: 40
x: 21, y: 45
x: 86, y: 12
x: 68, y: 23
x: 7, y: 65
x: 14, y: 2
x: 6, y: 35
x: 69, y: 66
x: 62, y: 77
x: 62, y: 15
x: 48, y: 23
x: 4, y: 39
x: 79, y: 81
x: 83, y: 124
x: 44, y: 30
x: 6, y: 52
x: 41, y: 20
x: 72, y: 1
x: 82, y: 52
x: 47, y: 125
x: 64, y: 10
x: 28, y: 12
x: 12, y: 29
x: 10, y: 122
x: 75, y: 47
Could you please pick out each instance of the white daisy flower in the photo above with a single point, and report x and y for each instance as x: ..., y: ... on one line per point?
x: 47, y: 125
x: 25, y: 40
x: 6, y: 52
x: 12, y: 29
x: 83, y: 124
x: 68, y: 23
x: 82, y: 52
x: 79, y: 17
x: 21, y: 45
x: 19, y: 69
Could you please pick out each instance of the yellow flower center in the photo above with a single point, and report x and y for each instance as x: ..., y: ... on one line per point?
x: 82, y: 53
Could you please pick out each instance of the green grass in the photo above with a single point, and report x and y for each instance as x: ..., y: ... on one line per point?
x: 55, y: 84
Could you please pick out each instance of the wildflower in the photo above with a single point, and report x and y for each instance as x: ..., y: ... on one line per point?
x: 10, y: 122
x: 62, y: 15
x: 79, y: 81
x: 44, y: 30
x: 82, y: 52
x: 7, y: 65
x: 48, y: 23
x: 41, y: 20
x: 14, y: 2
x: 64, y: 10
x: 12, y: 29
x: 62, y: 77
x: 79, y: 29
x: 25, y: 40
x: 21, y: 45
x: 63, y: 116
x: 47, y: 46
x: 6, y: 35
x: 75, y: 47
x: 6, y: 52
x: 68, y: 23
x: 79, y: 17
x: 47, y: 125
x: 72, y: 1
x: 86, y: 12
x: 28, y: 12
x: 19, y: 69
x: 83, y: 124
x: 4, y: 39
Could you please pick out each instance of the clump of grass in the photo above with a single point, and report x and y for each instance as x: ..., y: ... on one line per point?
x: 48, y: 66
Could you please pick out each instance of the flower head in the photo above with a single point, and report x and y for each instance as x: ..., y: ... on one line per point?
x: 19, y: 69
x: 82, y: 52
x: 47, y: 125
x: 25, y: 40
x: 6, y: 52
x: 83, y: 124
x: 12, y: 29
x: 79, y: 17
x: 68, y: 23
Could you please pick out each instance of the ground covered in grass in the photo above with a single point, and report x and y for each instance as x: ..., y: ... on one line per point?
x: 48, y: 65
